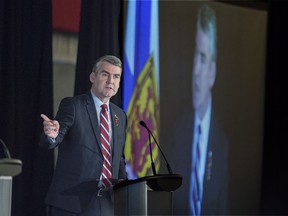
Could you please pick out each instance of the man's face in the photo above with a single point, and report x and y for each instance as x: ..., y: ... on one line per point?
x: 105, y: 81
x: 204, y: 71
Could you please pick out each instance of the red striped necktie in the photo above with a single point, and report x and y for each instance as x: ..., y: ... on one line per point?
x: 106, y: 150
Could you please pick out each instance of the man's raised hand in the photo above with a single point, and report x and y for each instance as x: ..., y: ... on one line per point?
x: 50, y: 127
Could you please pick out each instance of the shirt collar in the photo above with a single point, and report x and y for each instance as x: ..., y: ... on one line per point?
x: 98, y: 102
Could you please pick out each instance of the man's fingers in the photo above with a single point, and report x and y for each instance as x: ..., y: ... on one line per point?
x: 50, y: 127
x: 55, y: 122
x: 45, y: 118
x: 48, y: 122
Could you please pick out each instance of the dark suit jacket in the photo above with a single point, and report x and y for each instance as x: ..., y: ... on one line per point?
x: 79, y: 156
x: 215, y: 184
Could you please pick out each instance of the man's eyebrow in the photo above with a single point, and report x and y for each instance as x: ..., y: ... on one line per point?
x: 116, y: 74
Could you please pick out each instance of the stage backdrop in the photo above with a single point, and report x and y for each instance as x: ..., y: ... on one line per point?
x: 25, y: 92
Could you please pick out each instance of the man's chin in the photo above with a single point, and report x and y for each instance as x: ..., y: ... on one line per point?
x: 109, y: 95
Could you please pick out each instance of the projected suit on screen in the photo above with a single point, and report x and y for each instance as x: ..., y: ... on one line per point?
x: 201, y: 144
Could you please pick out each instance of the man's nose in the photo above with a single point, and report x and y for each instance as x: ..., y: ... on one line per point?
x: 110, y: 79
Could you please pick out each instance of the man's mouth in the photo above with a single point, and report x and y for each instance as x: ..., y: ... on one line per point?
x: 109, y: 88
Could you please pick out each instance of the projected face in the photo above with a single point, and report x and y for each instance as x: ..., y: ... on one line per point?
x: 203, y: 72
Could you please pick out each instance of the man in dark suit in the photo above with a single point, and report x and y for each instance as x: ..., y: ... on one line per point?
x: 215, y: 182
x: 77, y: 186
x: 201, y: 154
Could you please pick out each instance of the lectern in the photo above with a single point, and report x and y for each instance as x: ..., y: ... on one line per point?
x: 150, y: 195
x: 8, y: 169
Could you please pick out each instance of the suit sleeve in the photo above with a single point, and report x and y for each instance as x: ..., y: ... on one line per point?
x: 65, y: 116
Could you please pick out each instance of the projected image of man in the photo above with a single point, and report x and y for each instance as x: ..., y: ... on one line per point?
x: 209, y: 145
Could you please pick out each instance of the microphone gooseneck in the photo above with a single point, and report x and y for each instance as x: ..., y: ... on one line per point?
x: 151, y: 156
x: 6, y: 150
x: 143, y: 124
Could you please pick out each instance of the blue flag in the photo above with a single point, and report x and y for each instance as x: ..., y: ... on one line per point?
x: 141, y: 86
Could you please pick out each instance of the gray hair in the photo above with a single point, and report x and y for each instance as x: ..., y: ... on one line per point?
x: 107, y: 58
x: 207, y: 22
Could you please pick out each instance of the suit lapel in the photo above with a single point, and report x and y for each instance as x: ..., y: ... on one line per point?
x: 90, y: 106
x: 208, y: 185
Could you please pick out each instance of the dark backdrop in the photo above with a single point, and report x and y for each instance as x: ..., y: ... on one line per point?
x: 25, y: 92
x: 275, y: 180
x: 100, y: 34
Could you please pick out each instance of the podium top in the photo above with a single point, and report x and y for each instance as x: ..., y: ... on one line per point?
x: 159, y: 182
x: 10, y: 167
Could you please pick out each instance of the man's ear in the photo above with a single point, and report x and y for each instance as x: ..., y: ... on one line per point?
x: 212, y: 76
x: 92, y: 77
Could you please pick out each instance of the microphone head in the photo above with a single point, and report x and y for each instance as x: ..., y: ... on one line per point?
x: 142, y: 123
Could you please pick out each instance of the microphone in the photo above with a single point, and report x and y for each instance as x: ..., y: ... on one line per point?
x: 143, y: 124
x: 9, y: 166
x: 6, y: 150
